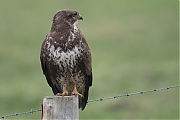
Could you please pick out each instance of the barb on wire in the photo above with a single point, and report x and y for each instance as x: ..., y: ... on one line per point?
x: 100, y: 99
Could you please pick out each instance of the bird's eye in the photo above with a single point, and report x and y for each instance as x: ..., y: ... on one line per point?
x: 74, y: 15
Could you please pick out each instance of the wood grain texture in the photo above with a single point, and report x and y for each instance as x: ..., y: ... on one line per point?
x: 60, y: 108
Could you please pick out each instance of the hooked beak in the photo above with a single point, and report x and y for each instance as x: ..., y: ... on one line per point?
x: 80, y: 18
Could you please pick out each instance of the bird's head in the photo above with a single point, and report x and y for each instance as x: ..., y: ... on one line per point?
x: 66, y: 16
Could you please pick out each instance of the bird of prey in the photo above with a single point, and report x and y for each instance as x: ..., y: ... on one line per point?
x: 66, y: 58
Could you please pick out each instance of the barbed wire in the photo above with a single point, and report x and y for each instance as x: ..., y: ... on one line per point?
x: 135, y: 93
x: 21, y: 113
x: 101, y: 99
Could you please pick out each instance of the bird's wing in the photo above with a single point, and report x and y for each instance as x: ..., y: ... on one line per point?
x: 44, y: 63
x: 86, y: 66
x: 47, y: 70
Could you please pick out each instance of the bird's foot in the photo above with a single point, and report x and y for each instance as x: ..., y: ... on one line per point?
x: 75, y: 92
x: 65, y: 92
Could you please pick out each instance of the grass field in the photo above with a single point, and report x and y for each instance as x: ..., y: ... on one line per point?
x: 134, y: 44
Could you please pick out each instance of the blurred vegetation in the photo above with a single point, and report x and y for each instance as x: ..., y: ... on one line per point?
x: 134, y: 44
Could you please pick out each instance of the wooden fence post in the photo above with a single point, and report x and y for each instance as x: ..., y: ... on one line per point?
x: 60, y: 108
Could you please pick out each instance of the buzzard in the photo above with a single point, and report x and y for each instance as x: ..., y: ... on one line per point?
x: 66, y: 58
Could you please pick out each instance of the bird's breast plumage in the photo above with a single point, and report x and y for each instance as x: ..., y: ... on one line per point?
x: 67, y: 58
x: 64, y: 51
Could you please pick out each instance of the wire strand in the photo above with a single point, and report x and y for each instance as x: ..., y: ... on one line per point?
x: 100, y: 99
x: 134, y: 93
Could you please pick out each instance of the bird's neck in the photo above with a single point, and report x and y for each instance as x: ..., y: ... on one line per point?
x: 60, y: 27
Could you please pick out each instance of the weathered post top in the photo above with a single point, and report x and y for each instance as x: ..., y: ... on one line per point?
x: 60, y: 108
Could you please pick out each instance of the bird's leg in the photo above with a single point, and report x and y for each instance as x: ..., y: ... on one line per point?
x: 65, y: 92
x: 75, y: 92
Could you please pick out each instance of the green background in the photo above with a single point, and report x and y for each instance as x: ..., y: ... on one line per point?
x: 134, y: 44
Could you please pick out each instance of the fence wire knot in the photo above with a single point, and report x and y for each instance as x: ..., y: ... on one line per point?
x: 31, y: 111
x: 141, y: 92
x: 115, y: 97
x: 101, y: 99
x: 127, y: 95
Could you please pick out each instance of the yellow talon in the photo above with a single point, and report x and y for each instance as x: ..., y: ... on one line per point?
x: 75, y: 92
x: 65, y: 92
